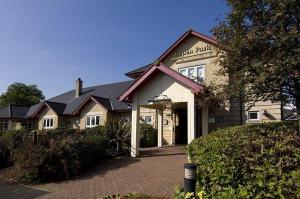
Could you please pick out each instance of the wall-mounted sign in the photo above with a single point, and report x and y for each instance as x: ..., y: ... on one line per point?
x: 193, y: 51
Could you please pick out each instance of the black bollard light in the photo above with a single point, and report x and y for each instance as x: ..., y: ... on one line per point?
x: 190, y: 177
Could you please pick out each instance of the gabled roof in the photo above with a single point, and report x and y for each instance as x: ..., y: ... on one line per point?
x: 14, y: 111
x: 67, y: 103
x: 137, y: 72
x: 99, y: 100
x: 192, y: 85
x: 58, y: 108
x: 183, y: 38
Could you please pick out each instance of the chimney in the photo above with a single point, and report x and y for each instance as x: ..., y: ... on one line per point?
x: 78, y: 89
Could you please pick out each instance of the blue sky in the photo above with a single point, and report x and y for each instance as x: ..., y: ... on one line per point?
x: 52, y: 42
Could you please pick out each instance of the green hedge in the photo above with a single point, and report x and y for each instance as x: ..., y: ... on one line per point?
x: 148, y: 136
x: 9, y: 140
x: 61, y: 160
x: 250, y: 161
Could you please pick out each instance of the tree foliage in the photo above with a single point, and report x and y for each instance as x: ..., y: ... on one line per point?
x: 262, y: 43
x: 21, y: 94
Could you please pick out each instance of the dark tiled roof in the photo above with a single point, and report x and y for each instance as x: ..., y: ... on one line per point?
x: 138, y: 70
x: 107, y: 95
x: 33, y: 108
x: 104, y: 101
x: 4, y: 112
x: 14, y: 111
x: 58, y: 108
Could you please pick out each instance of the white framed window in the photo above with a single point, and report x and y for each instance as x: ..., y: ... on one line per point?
x: 148, y: 119
x: 253, y: 115
x: 48, y: 123
x: 92, y: 121
x: 195, y: 73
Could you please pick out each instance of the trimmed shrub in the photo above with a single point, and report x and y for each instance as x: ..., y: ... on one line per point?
x: 60, y: 132
x: 61, y: 160
x: 250, y: 161
x: 148, y: 136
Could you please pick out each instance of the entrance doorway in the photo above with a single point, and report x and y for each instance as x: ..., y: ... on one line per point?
x: 181, y: 126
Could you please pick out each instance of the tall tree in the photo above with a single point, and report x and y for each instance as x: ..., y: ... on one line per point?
x: 261, y: 40
x: 21, y: 94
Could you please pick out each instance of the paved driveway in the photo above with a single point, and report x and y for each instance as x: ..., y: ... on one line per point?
x: 157, y: 172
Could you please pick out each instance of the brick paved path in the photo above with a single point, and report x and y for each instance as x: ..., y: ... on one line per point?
x: 157, y: 172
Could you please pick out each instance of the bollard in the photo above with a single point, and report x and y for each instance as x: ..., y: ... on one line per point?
x: 189, y: 178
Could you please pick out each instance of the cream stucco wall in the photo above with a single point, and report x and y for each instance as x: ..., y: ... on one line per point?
x: 47, y: 113
x: 208, y: 58
x: 92, y: 108
x: 273, y: 111
x: 160, y: 85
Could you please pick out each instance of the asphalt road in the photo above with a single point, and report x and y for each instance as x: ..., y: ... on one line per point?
x: 14, y: 191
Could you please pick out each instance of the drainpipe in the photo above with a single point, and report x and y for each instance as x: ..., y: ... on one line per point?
x: 241, y: 109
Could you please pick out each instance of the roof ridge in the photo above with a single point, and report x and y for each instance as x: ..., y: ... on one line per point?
x: 109, y: 84
x: 54, y: 102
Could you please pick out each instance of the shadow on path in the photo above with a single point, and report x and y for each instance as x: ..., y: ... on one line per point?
x: 10, y: 190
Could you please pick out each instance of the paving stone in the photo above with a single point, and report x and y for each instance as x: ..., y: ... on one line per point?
x: 157, y: 172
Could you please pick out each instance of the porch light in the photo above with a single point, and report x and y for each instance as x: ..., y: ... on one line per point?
x: 160, y: 100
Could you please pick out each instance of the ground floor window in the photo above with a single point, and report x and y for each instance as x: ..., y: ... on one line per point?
x: 92, y: 121
x: 3, y: 126
x: 148, y: 119
x: 253, y: 115
x: 26, y: 125
x: 48, y: 123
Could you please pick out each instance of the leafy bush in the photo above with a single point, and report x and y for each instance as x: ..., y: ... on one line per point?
x: 9, y: 140
x: 250, y: 161
x: 148, y: 136
x: 5, y: 158
x: 180, y: 194
x: 130, y: 196
x: 12, y: 139
x: 60, y: 160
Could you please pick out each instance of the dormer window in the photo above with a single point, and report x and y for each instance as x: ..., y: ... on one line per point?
x: 195, y: 73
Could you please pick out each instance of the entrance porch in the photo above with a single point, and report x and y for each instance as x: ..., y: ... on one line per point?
x: 177, y: 123
x: 162, y: 88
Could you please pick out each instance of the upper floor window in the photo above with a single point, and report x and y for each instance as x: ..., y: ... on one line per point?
x: 92, y: 121
x: 48, y: 123
x: 253, y: 115
x: 195, y: 73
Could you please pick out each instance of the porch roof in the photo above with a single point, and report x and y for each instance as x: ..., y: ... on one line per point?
x: 143, y: 79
